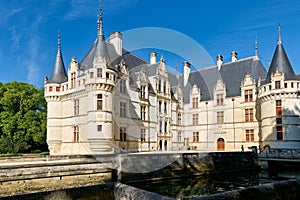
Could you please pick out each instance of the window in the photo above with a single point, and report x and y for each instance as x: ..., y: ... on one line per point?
x: 186, y: 142
x: 79, y: 83
x: 278, y: 120
x: 76, y: 107
x: 50, y: 89
x: 143, y: 135
x: 292, y: 85
x: 160, y: 126
x: 83, y: 81
x: 179, y: 136
x: 75, y: 133
x: 57, y: 89
x: 99, y: 102
x: 122, y: 133
x: 195, y: 119
x: 249, y: 115
x: 107, y: 75
x: 122, y: 109
x: 165, y: 107
x: 277, y: 85
x: 195, y: 102
x: 285, y: 85
x: 73, y: 80
x: 279, y: 132
x: 159, y: 106
x: 248, y: 95
x: 143, y: 112
x: 159, y: 85
x: 164, y: 87
x: 143, y: 92
x: 179, y: 119
x: 195, y: 136
x: 278, y: 108
x: 99, y: 128
x: 250, y: 135
x: 166, y: 127
x: 123, y: 86
x: 99, y: 72
x: 91, y: 74
x: 220, y: 99
x: 220, y: 117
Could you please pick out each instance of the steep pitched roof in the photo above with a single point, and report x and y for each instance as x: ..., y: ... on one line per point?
x: 59, y: 74
x: 280, y: 62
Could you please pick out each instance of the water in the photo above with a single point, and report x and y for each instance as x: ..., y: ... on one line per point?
x: 186, y: 188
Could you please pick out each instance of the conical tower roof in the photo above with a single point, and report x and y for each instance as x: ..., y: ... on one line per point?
x: 59, y: 74
x: 280, y: 62
x: 99, y: 48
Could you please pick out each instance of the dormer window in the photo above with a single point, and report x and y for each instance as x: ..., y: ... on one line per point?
x: 143, y: 91
x: 123, y: 86
x: 99, y: 72
x: 159, y: 85
x: 195, y: 102
x: 248, y: 95
x: 220, y: 99
x: 277, y: 85
x: 73, y: 79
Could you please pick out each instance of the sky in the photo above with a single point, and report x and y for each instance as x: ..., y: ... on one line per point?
x: 28, y: 30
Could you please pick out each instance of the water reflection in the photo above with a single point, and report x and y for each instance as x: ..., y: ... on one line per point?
x: 186, y: 188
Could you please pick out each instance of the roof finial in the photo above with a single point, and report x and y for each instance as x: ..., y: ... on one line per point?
x: 58, y: 40
x: 256, y: 47
x: 279, y: 36
x: 100, y: 21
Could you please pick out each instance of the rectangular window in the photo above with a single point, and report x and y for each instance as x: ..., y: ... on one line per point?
x: 278, y: 120
x: 186, y: 142
x: 143, y: 92
x: 73, y: 80
x: 107, y: 75
x: 166, y: 127
x: 195, y: 119
x: 292, y: 85
x: 179, y: 136
x: 165, y: 107
x: 195, y: 102
x: 164, y: 87
x: 50, y: 89
x: 143, y: 112
x: 123, y: 86
x: 99, y: 128
x: 123, y: 134
x: 277, y: 85
x: 278, y: 108
x: 76, y: 107
x: 250, y: 135
x: 99, y: 102
x: 220, y: 99
x: 122, y: 109
x: 179, y: 119
x: 143, y: 135
x: 75, y: 133
x: 160, y: 126
x: 57, y: 89
x: 279, y: 133
x: 91, y: 74
x: 220, y: 117
x: 278, y: 103
x: 195, y: 136
x: 99, y: 72
x: 159, y: 106
x: 248, y: 95
x: 285, y: 85
x: 249, y: 115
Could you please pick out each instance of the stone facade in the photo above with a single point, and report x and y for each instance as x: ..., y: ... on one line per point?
x: 113, y: 101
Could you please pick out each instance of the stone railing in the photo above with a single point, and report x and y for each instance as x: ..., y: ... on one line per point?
x: 279, y: 153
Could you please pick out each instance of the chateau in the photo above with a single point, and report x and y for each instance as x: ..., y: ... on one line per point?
x: 113, y: 101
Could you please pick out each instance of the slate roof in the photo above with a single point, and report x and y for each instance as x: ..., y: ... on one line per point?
x: 281, y: 63
x: 59, y: 74
x: 231, y: 74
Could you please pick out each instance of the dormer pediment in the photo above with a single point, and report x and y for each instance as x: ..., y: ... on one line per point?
x: 248, y: 81
x: 220, y: 86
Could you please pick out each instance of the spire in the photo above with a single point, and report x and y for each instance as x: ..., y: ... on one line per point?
x: 280, y: 62
x: 256, y: 47
x: 279, y: 36
x: 100, y: 22
x: 59, y: 74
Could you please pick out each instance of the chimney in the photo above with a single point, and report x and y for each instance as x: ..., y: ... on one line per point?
x: 186, y: 72
x: 233, y: 56
x: 219, y: 61
x: 152, y: 58
x: 116, y: 39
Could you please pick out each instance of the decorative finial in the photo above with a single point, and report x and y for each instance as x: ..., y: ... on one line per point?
x: 100, y: 21
x: 269, y: 62
x: 279, y: 36
x: 58, y: 40
x: 256, y: 47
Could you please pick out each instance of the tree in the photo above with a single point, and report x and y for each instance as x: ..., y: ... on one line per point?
x: 22, y: 118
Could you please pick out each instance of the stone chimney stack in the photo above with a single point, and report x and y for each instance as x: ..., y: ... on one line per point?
x: 186, y: 72
x: 219, y: 61
x: 116, y: 39
x: 152, y: 58
x: 233, y: 56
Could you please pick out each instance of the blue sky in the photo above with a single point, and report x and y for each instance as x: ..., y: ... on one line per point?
x: 28, y: 29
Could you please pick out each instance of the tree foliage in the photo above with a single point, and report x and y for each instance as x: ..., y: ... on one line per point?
x: 23, y: 114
